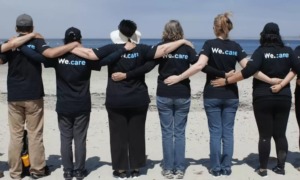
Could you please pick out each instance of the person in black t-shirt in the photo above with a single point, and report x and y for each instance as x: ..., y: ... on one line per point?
x: 12, y: 44
x: 297, y: 95
x: 127, y: 101
x: 173, y: 102
x: 271, y: 101
x: 74, y: 100
x: 25, y: 100
x: 220, y: 103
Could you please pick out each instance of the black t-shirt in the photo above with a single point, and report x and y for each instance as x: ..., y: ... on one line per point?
x: 175, y: 63
x: 222, y: 55
x: 24, y: 80
x: 275, y: 62
x: 129, y: 92
x: 72, y: 83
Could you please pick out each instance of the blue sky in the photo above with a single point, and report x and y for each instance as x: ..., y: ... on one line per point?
x: 97, y: 18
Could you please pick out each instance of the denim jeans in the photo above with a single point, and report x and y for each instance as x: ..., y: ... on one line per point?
x: 220, y: 115
x: 173, y: 113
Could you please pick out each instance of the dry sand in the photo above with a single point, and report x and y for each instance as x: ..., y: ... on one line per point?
x: 245, y: 158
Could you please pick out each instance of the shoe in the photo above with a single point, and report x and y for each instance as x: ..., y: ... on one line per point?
x: 120, y: 175
x: 68, y: 175
x: 1, y: 174
x: 225, y: 172
x: 135, y: 173
x: 47, y: 172
x: 80, y: 174
x: 262, y: 172
x: 215, y: 173
x: 179, y: 174
x: 278, y: 170
x: 168, y: 174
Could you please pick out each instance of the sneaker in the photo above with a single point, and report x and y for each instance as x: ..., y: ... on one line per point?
x: 68, y: 175
x: 168, y: 174
x: 278, y: 170
x: 179, y: 174
x: 120, y: 175
x: 215, y: 173
x: 80, y: 174
x: 225, y: 172
x: 262, y: 172
x: 135, y: 173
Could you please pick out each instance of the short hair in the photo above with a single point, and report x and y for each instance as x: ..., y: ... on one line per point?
x: 173, y: 31
x: 127, y: 27
x: 24, y: 29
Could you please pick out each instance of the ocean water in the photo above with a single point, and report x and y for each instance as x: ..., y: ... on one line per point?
x: 249, y: 45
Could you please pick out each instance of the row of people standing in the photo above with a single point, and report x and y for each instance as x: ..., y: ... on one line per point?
x: 273, y: 65
x: 126, y: 81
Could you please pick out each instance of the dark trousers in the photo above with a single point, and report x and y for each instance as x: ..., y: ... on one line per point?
x: 127, y: 137
x: 73, y: 127
x: 271, y: 118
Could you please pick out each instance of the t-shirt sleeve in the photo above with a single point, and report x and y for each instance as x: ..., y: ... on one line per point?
x: 0, y: 48
x: 241, y: 53
x: 193, y: 56
x: 151, y: 50
x: 103, y: 51
x: 253, y: 64
x: 206, y: 49
x: 295, y: 57
x: 3, y: 58
x: 41, y: 45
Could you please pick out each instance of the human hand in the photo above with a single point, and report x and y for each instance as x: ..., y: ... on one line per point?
x: 189, y: 43
x: 275, y: 81
x: 38, y: 35
x: 276, y: 88
x: 118, y: 76
x: 172, y: 80
x: 129, y: 46
x: 230, y: 73
x: 219, y: 82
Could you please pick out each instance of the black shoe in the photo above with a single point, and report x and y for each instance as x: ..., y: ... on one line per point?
x: 47, y: 172
x: 226, y: 172
x: 135, y: 173
x: 1, y: 174
x: 120, y: 175
x: 80, y: 174
x: 68, y: 175
x: 278, y: 170
x: 215, y: 173
x: 262, y: 172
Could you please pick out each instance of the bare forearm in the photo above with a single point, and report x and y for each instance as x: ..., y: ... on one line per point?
x: 59, y: 51
x: 288, y: 78
x: 85, y: 53
x: 167, y: 48
x: 16, y: 42
x: 261, y: 76
x: 235, y: 78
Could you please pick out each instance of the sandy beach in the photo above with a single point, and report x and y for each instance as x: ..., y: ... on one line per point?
x: 245, y: 158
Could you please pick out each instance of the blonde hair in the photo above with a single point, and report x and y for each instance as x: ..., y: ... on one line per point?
x: 172, y: 31
x: 222, y: 24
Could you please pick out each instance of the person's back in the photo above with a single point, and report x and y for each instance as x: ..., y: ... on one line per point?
x: 25, y: 106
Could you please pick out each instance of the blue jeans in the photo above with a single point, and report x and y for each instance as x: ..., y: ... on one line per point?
x: 173, y: 113
x: 220, y: 115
